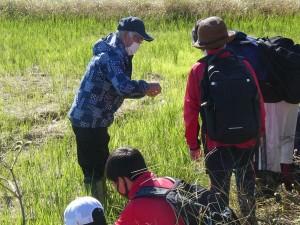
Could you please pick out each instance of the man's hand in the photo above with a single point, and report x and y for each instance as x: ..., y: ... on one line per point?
x: 196, y: 154
x: 154, y: 89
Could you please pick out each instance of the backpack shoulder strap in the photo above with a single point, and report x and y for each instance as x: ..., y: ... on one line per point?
x: 175, y: 181
x: 151, y: 191
x: 205, y: 58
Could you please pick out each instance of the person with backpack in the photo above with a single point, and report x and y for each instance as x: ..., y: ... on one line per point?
x: 282, y: 59
x: 276, y: 62
x: 223, y: 89
x: 127, y: 170
x: 104, y: 87
x: 155, y: 200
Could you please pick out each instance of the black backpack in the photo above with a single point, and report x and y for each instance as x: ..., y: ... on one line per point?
x: 194, y: 204
x: 230, y: 102
x: 282, y: 59
x: 276, y: 61
x: 247, y: 47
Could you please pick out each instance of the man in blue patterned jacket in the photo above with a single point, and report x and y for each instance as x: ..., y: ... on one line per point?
x: 103, y: 88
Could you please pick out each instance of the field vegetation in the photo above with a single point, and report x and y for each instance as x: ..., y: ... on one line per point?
x: 45, y: 47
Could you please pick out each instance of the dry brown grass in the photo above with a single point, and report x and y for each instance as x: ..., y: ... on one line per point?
x: 31, y: 100
x: 284, y: 208
x: 148, y: 8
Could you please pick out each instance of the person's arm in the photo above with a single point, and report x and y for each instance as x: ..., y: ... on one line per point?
x: 126, y: 87
x: 192, y: 102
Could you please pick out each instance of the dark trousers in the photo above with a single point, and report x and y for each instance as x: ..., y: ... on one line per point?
x: 221, y: 163
x: 92, y: 151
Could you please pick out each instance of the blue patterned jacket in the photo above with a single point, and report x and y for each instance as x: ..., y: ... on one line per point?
x: 105, y: 85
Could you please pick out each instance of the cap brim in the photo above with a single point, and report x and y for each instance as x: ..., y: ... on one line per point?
x: 146, y: 36
x: 231, y: 36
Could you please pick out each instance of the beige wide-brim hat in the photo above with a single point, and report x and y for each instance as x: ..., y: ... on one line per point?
x: 212, y: 33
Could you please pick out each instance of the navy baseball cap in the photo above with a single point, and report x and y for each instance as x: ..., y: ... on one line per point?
x: 134, y: 24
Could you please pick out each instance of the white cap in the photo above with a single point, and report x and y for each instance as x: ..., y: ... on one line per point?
x: 79, y: 211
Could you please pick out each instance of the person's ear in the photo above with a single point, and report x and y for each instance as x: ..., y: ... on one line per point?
x: 122, y: 38
x: 120, y: 185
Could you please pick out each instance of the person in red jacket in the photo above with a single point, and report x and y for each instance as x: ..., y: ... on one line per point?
x: 127, y: 170
x: 221, y: 159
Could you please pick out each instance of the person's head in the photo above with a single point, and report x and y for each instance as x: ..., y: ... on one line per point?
x: 124, y: 166
x: 84, y: 211
x: 131, y: 31
x: 211, y: 33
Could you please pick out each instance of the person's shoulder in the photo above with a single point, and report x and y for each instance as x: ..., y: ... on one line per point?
x: 109, y: 45
x: 199, y: 64
x: 198, y: 68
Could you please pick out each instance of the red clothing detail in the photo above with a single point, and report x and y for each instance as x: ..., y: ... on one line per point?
x: 192, y: 101
x: 148, y: 211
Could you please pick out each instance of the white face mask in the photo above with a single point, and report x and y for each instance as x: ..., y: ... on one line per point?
x: 133, y: 47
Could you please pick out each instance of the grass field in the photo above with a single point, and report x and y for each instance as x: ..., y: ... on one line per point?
x: 45, y: 47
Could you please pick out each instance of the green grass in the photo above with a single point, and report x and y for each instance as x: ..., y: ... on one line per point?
x: 42, y: 62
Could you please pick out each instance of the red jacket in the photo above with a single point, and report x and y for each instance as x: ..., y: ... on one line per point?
x: 192, y: 103
x: 148, y: 211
